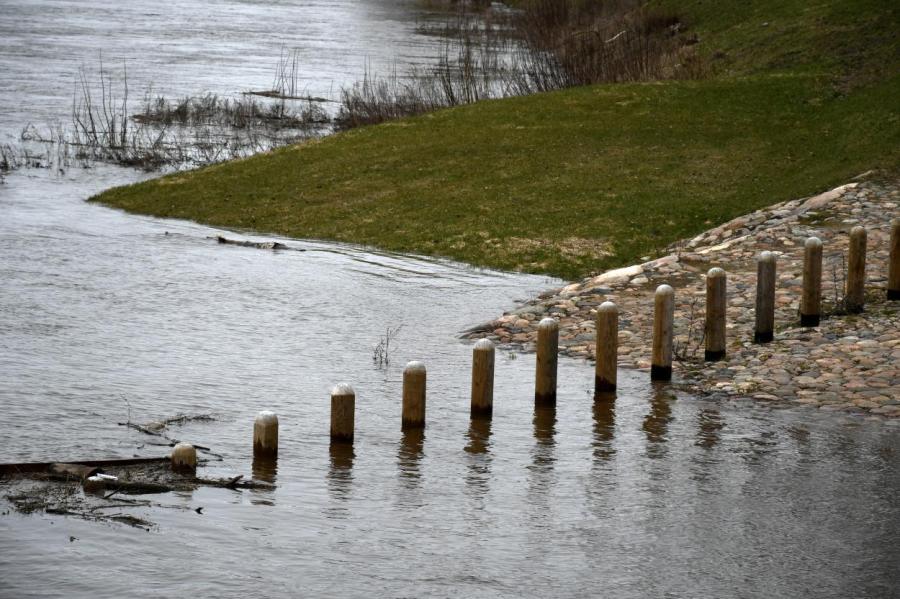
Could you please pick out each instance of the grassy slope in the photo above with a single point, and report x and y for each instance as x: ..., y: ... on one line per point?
x: 585, y: 179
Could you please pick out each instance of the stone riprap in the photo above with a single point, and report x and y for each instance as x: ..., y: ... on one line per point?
x: 849, y: 362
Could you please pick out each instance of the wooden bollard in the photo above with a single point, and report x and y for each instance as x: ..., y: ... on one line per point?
x: 855, y: 296
x: 607, y: 348
x: 184, y: 457
x: 413, y: 396
x: 716, y: 290
x: 894, y: 263
x: 893, y: 288
x: 663, y: 324
x: 545, y: 370
x: 265, y: 434
x: 811, y: 301
x: 483, y: 378
x: 764, y: 331
x: 343, y: 407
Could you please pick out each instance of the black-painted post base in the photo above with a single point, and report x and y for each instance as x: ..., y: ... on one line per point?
x: 482, y: 413
x: 809, y: 320
x: 893, y: 294
x: 763, y: 337
x: 714, y: 356
x: 601, y: 385
x: 545, y: 399
x: 660, y: 373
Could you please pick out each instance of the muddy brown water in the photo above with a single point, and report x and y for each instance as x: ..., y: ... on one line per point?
x: 103, y: 314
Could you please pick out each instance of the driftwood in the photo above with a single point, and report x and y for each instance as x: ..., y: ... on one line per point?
x: 260, y: 245
x: 79, y: 471
x: 233, y: 483
x: 29, y: 467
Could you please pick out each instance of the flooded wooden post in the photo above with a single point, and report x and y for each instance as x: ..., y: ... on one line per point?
x: 607, y: 348
x: 716, y: 291
x: 413, y: 396
x: 483, y: 378
x: 893, y: 288
x: 184, y: 457
x: 663, y: 324
x: 855, y: 297
x: 265, y: 434
x: 343, y: 408
x: 545, y: 370
x: 811, y: 301
x: 764, y: 329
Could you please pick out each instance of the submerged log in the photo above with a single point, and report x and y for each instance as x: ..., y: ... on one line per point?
x: 261, y: 245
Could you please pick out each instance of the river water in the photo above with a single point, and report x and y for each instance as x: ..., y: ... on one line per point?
x: 105, y: 315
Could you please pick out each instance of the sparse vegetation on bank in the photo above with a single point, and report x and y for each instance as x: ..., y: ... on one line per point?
x: 796, y: 99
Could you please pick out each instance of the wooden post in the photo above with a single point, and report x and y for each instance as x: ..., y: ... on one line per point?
x: 184, y: 457
x: 855, y: 297
x: 663, y: 323
x: 343, y: 407
x: 764, y: 331
x: 265, y: 434
x: 545, y: 371
x: 811, y: 302
x: 413, y: 396
x: 716, y: 286
x: 483, y: 379
x: 893, y: 288
x: 607, y: 348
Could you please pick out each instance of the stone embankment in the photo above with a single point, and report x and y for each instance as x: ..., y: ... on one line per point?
x: 848, y: 363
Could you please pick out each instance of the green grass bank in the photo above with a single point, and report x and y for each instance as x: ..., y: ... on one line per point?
x: 803, y: 96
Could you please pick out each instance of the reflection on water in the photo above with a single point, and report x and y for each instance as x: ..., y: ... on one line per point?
x: 656, y: 423
x: 478, y: 449
x: 265, y: 468
x: 709, y: 423
x: 604, y: 427
x: 409, y: 454
x: 340, y: 471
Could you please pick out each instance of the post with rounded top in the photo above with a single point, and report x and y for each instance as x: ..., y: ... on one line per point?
x: 343, y: 407
x: 265, y: 434
x: 811, y: 301
x: 607, y: 348
x: 855, y: 297
x: 764, y: 331
x: 184, y: 457
x: 483, y: 379
x: 893, y: 288
x: 716, y: 289
x: 413, y: 396
x: 545, y: 371
x: 663, y: 324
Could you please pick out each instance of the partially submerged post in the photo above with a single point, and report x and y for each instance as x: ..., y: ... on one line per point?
x: 855, y: 297
x: 716, y: 284
x: 764, y: 331
x: 545, y: 369
x: 607, y: 346
x: 663, y: 323
x: 265, y: 434
x: 483, y: 378
x: 184, y: 457
x: 811, y: 301
x: 343, y: 407
x: 893, y: 288
x: 413, y: 396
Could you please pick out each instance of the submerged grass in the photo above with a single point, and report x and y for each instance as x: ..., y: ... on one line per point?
x: 588, y: 178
